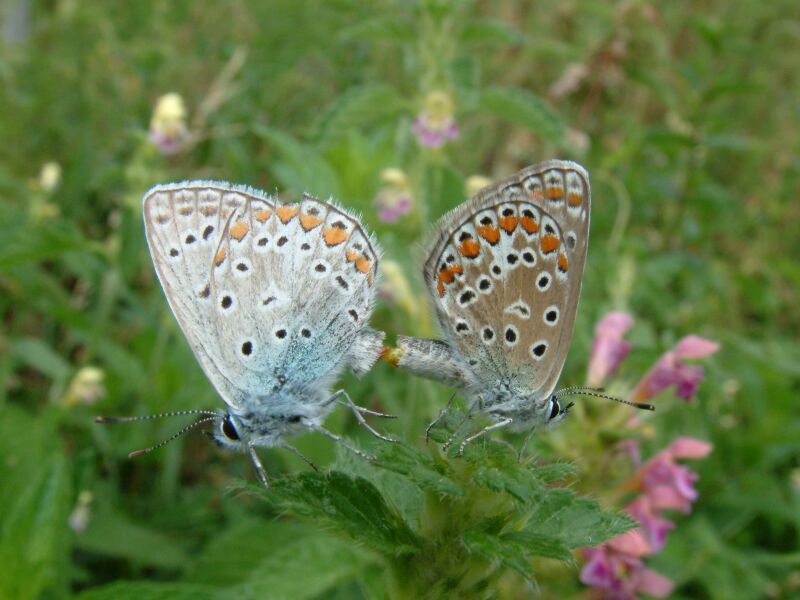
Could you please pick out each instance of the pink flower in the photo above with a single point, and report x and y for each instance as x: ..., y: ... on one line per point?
x: 609, y: 349
x: 434, y: 135
x: 616, y: 568
x: 435, y: 125
x: 620, y: 576
x: 391, y: 209
x: 654, y: 528
x: 631, y: 543
x: 394, y: 199
x: 670, y: 370
x: 667, y: 484
x: 631, y: 446
x: 686, y: 447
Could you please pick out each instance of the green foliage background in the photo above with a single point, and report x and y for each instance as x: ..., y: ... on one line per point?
x: 691, y: 111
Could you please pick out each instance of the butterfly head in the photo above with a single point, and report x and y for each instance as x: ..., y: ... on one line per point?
x: 236, y: 432
x: 225, y: 433
x: 555, y: 411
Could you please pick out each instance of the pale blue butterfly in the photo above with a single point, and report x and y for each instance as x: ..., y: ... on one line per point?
x: 274, y: 300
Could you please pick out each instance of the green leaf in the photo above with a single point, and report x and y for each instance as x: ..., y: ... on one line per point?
x: 113, y: 534
x: 488, y: 31
x: 418, y: 467
x: 34, y: 504
x: 380, y: 29
x: 256, y: 558
x: 577, y: 522
x: 33, y: 531
x: 144, y: 590
x: 355, y: 108
x: 37, y: 354
x: 555, y: 471
x: 496, y: 549
x: 442, y: 189
x: 304, y: 566
x: 536, y: 544
x: 351, y: 505
x: 302, y: 169
x: 517, y: 482
x: 24, y: 244
x: 526, y: 109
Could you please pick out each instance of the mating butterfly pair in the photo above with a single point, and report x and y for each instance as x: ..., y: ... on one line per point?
x: 275, y: 298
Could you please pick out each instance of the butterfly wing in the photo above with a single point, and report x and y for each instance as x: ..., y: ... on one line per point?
x: 279, y: 300
x: 183, y: 223
x: 505, y: 270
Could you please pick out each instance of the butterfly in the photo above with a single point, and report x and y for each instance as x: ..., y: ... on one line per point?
x: 504, y: 273
x: 274, y: 300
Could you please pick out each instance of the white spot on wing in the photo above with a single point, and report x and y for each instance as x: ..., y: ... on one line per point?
x: 519, y: 308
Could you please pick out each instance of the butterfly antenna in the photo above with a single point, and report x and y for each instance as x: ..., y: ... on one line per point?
x: 174, y: 436
x: 564, y: 391
x: 587, y: 391
x: 177, y: 413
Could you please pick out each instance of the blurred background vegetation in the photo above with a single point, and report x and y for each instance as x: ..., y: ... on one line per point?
x: 687, y: 116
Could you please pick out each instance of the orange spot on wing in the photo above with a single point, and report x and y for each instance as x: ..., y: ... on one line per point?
x: 262, y: 215
x: 509, y: 223
x: 563, y: 262
x: 334, y: 236
x: 470, y: 248
x: 351, y: 256
x: 490, y: 233
x: 529, y: 224
x: 549, y: 243
x: 308, y: 222
x: 220, y: 257
x: 239, y: 230
x: 447, y: 276
x: 555, y: 193
x: 537, y: 194
x: 286, y: 213
x: 363, y: 264
x: 574, y: 199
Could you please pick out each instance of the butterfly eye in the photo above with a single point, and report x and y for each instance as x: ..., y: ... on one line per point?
x: 555, y: 410
x: 229, y: 430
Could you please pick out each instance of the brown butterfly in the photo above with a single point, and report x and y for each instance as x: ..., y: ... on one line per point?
x: 504, y: 270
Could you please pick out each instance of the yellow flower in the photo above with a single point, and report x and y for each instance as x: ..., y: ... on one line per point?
x: 86, y: 387
x: 80, y: 515
x: 49, y: 176
x: 475, y: 183
x: 394, y: 199
x: 435, y: 125
x: 168, y: 130
x: 396, y: 178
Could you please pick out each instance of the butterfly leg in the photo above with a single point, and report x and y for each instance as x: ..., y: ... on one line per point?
x: 260, y: 471
x: 482, y: 432
x: 438, y: 419
x: 452, y: 438
x: 339, y: 440
x: 300, y: 454
x: 366, y: 411
x: 359, y: 417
